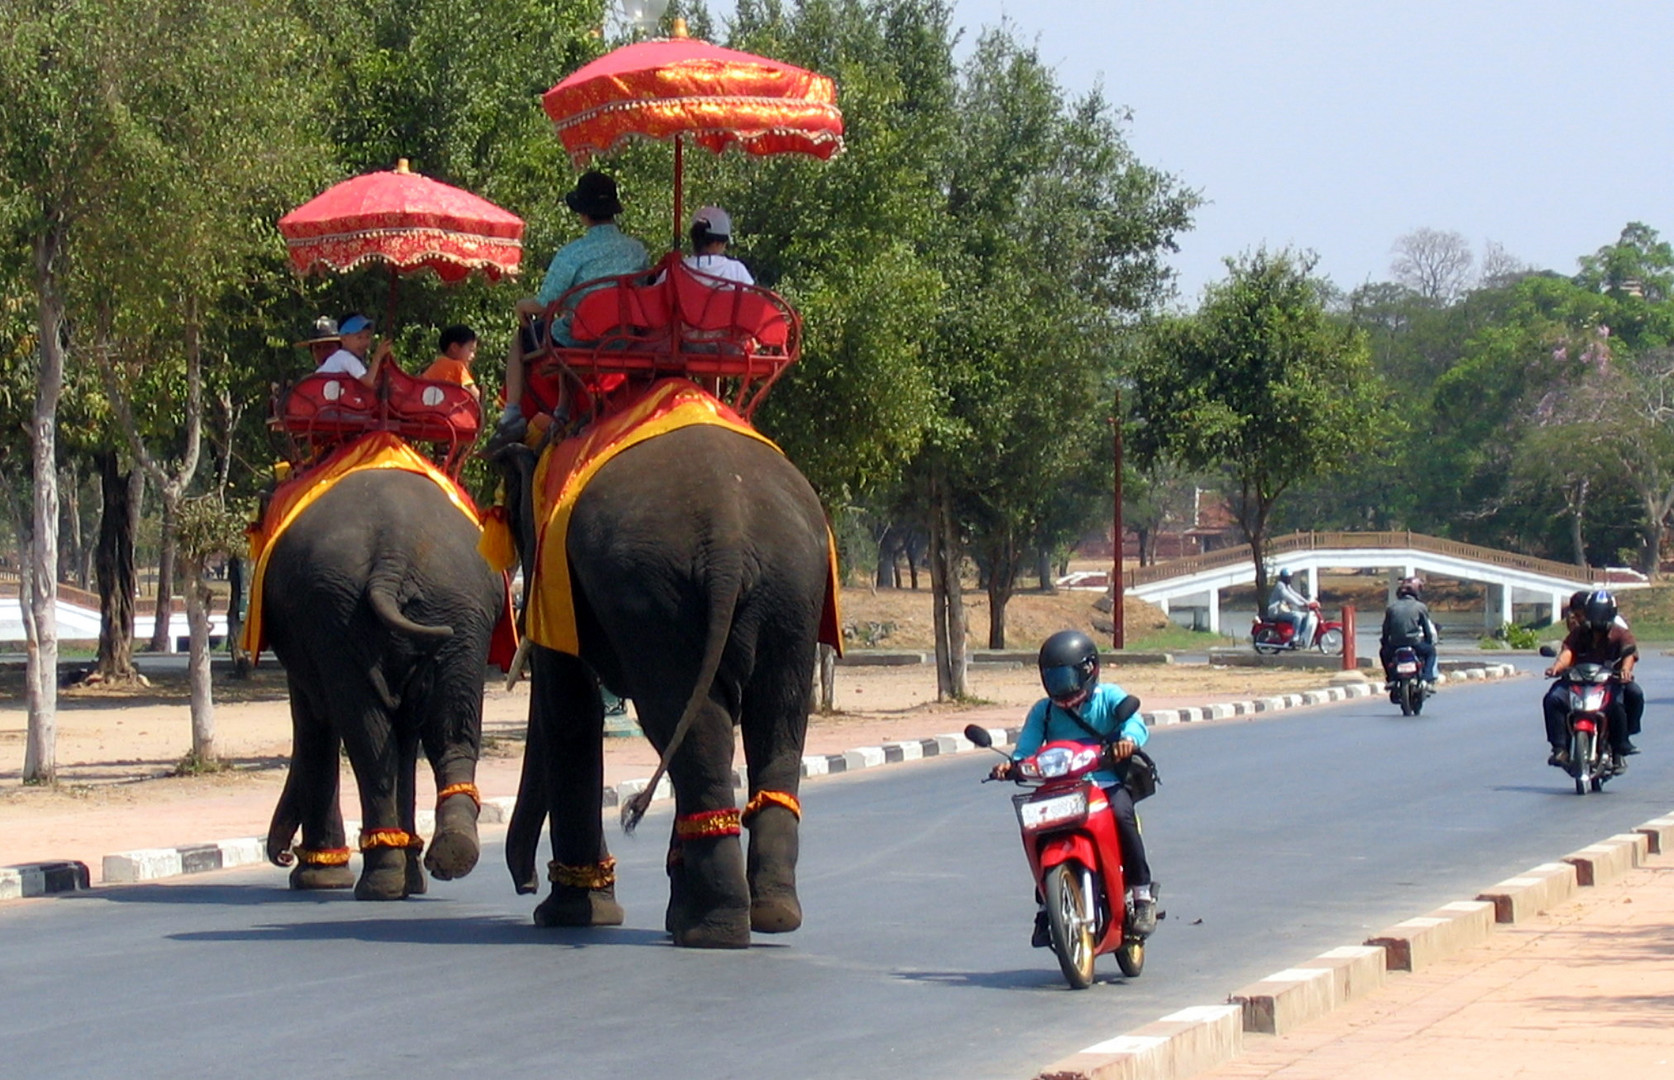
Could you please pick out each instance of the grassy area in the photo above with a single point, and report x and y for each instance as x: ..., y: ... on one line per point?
x: 1176, y: 638
x: 1650, y: 612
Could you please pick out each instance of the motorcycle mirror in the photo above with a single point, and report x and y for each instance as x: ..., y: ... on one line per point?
x: 1547, y: 650
x: 979, y: 735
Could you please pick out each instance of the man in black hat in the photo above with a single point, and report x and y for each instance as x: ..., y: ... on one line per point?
x: 324, y: 339
x: 602, y: 251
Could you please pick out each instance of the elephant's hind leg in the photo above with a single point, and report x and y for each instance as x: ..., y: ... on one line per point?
x: 452, y: 738
x: 386, y: 839
x: 311, y: 798
x: 775, y: 725
x: 709, y: 898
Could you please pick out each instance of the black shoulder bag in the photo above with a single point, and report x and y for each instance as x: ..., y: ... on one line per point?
x: 1139, y: 773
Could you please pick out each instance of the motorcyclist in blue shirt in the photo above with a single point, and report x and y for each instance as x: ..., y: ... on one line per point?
x: 1069, y: 671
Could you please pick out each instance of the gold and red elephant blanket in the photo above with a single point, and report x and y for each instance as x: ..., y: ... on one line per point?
x: 567, y: 466
x: 375, y: 450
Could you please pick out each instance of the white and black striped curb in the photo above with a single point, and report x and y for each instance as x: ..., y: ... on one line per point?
x: 1204, y: 1037
x: 41, y: 879
x: 151, y: 864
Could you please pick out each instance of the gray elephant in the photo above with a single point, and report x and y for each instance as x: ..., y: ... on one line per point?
x: 381, y: 611
x: 699, y: 565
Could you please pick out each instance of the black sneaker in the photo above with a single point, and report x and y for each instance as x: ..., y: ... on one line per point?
x: 1144, y: 918
x: 1628, y: 748
x: 1042, y: 936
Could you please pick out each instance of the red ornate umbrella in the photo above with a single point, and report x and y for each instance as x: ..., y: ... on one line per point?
x: 682, y: 89
x: 410, y: 222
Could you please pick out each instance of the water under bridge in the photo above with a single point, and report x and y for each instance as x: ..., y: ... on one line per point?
x: 1511, y: 580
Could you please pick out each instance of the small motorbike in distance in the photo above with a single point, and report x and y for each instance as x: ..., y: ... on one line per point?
x: 1069, y: 836
x: 1588, y: 691
x: 1406, y: 687
x: 1275, y: 636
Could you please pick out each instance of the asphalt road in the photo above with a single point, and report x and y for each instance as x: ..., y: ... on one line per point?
x: 1273, y: 839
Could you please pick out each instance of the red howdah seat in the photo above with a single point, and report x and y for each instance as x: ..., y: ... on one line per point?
x: 686, y: 324
x: 333, y: 407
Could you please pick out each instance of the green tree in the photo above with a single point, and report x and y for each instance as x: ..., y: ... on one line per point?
x: 1639, y: 263
x: 1260, y: 382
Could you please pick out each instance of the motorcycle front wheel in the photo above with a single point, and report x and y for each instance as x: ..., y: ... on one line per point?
x: 1581, y: 755
x: 1330, y: 642
x: 1071, y: 925
x: 1131, y: 958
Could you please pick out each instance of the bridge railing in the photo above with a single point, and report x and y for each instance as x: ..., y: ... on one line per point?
x: 1337, y: 541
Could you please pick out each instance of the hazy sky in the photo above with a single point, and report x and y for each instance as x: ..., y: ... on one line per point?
x: 1338, y: 126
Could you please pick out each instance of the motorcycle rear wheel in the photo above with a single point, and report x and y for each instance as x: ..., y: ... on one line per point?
x: 1268, y: 641
x: 1131, y: 958
x: 1071, y: 925
x: 1418, y: 696
x: 1407, y: 705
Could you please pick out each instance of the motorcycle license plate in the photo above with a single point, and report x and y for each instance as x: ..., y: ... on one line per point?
x: 1406, y: 669
x: 1043, y: 812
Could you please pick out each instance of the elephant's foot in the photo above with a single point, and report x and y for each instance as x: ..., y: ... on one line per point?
x: 454, y: 848
x: 416, y: 885
x: 709, y: 908
x: 384, y: 874
x: 773, y: 821
x: 574, y: 906
x: 775, y: 915
x: 306, y: 876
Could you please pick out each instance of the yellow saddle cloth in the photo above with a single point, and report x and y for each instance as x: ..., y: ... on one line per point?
x: 377, y: 450
x: 567, y: 466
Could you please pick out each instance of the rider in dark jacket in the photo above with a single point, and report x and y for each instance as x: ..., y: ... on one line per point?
x: 1600, y: 639
x: 1407, y: 622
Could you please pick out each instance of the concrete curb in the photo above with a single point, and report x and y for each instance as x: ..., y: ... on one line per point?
x: 42, y: 879
x: 152, y: 864
x: 1172, y: 1049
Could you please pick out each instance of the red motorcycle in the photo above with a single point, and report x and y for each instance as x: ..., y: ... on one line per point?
x: 1069, y: 834
x: 1273, y: 636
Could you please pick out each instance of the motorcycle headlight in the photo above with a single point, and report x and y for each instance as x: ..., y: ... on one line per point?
x: 1054, y: 762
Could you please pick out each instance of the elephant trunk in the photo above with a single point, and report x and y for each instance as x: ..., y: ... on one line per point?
x: 282, y: 829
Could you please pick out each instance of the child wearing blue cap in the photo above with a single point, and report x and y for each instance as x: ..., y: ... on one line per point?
x: 350, y: 359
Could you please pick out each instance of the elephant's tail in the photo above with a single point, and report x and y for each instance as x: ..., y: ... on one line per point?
x: 282, y: 829
x: 726, y: 583
x: 380, y: 593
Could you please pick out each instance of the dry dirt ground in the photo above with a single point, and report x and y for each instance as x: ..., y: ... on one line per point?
x: 116, y: 749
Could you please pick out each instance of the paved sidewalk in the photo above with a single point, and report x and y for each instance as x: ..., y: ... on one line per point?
x: 1584, y: 990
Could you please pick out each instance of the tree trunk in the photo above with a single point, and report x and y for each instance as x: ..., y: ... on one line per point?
x: 164, y: 611
x: 946, y: 599
x: 1043, y: 570
x: 69, y: 555
x: 888, y: 575
x: 1002, y: 577
x: 40, y: 758
x: 197, y: 667
x: 114, y: 569
x: 828, y: 678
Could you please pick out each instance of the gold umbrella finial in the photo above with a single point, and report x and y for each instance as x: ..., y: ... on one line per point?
x: 678, y: 30
x: 401, y: 165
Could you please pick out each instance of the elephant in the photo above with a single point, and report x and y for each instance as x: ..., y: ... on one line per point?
x: 699, y: 565
x: 379, y: 607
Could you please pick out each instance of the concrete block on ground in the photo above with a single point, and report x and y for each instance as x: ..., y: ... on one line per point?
x: 1286, y: 999
x: 42, y: 879
x: 1609, y: 859
x: 953, y: 744
x: 1659, y: 834
x: 1179, y: 1045
x: 1417, y: 943
x: 880, y: 658
x: 909, y: 751
x: 145, y: 864
x: 1356, y: 970
x: 1532, y: 892
x: 865, y: 757
x: 498, y: 810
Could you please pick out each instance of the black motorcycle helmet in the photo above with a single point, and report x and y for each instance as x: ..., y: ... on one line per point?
x: 1413, y: 587
x: 1069, y: 667
x: 1601, y: 611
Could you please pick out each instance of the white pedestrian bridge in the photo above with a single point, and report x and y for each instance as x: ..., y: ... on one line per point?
x: 1511, y: 579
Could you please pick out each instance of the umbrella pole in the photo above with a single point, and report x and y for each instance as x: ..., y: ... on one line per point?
x: 679, y: 179
x: 389, y: 320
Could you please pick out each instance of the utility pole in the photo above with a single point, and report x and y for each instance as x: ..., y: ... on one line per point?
x: 1118, y: 629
